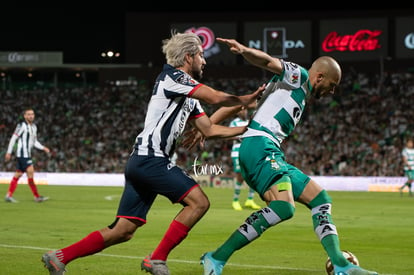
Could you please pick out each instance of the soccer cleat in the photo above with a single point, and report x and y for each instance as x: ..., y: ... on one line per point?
x: 250, y: 203
x: 10, y: 199
x: 155, y: 267
x: 211, y: 265
x: 236, y: 206
x: 53, y: 264
x: 352, y: 269
x: 41, y: 199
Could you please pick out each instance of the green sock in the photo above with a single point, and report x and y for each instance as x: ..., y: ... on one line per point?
x: 323, y: 223
x: 331, y: 245
x: 257, y: 223
x: 235, y: 242
x: 237, y: 191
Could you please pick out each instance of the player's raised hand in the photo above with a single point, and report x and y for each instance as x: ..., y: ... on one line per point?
x: 234, y: 46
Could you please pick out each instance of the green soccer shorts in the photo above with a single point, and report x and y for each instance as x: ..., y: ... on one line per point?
x: 262, y: 163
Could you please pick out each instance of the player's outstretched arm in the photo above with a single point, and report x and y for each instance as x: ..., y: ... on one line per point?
x: 253, y: 56
x: 215, y: 97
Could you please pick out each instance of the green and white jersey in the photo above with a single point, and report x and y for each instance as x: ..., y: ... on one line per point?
x: 282, y: 104
x: 409, y: 154
x: 237, y: 122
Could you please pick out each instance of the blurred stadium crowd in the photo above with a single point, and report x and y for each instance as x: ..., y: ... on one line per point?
x: 359, y: 131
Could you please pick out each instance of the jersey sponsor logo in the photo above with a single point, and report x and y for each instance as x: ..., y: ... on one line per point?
x: 296, y: 113
x: 294, y: 78
x: 183, y: 79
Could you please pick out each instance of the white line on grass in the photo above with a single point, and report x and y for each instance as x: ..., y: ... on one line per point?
x: 175, y: 260
x: 111, y: 197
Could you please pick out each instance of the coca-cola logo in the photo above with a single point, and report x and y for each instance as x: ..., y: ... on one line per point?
x: 207, y: 36
x: 362, y: 40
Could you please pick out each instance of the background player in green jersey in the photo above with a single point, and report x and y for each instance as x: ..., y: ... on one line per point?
x: 263, y: 163
x: 240, y: 120
x: 408, y: 161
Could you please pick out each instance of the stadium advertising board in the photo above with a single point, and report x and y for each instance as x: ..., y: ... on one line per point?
x: 404, y: 37
x: 215, y: 53
x: 16, y: 59
x: 334, y: 183
x: 289, y: 40
x: 354, y: 39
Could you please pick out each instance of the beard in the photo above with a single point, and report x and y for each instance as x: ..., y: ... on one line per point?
x: 197, y: 73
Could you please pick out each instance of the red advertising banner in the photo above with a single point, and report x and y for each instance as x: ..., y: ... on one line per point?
x: 404, y: 37
x: 354, y: 39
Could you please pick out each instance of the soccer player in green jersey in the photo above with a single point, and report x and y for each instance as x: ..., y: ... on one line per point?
x: 408, y: 161
x: 263, y: 163
x: 241, y: 120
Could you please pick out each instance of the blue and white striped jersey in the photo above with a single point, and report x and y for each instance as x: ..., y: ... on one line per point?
x: 169, y: 109
x: 26, y: 136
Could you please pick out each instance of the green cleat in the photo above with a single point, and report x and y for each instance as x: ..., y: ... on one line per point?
x: 236, y: 206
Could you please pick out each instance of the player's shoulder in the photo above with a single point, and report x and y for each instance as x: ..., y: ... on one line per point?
x: 20, y: 124
x: 179, y: 77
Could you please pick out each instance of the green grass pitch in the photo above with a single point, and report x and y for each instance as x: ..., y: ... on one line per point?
x: 377, y: 227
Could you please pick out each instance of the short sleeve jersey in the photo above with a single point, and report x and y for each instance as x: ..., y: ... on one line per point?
x: 409, y: 154
x: 169, y: 109
x: 26, y: 136
x: 282, y: 104
x: 237, y: 122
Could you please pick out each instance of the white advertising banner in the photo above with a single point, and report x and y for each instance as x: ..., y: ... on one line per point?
x: 374, y: 184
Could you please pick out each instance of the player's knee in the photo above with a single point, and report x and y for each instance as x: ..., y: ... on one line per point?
x: 203, y: 206
x: 200, y: 206
x: 283, y: 209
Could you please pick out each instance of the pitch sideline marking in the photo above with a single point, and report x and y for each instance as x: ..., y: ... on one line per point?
x: 111, y: 197
x: 175, y: 260
x: 170, y: 260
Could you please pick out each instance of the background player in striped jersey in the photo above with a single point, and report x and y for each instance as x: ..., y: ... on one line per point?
x: 263, y: 163
x: 149, y: 171
x: 240, y: 120
x: 408, y: 161
x: 26, y: 136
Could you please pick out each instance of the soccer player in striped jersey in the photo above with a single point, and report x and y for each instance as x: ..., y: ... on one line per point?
x: 26, y: 136
x: 263, y: 163
x: 408, y: 161
x: 149, y: 171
